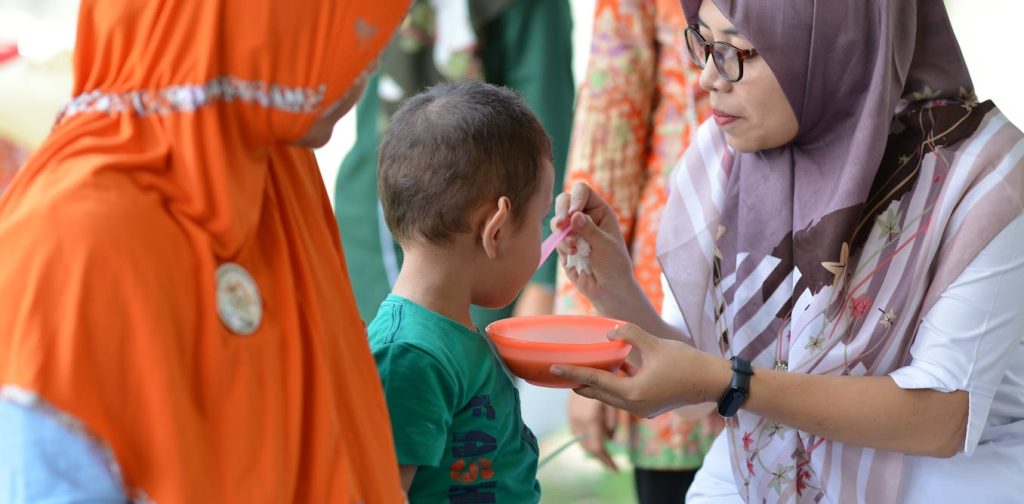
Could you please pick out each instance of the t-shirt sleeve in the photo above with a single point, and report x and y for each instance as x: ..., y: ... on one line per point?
x: 966, y: 340
x: 421, y: 395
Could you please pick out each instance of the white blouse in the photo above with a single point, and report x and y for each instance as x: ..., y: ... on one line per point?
x: 972, y: 339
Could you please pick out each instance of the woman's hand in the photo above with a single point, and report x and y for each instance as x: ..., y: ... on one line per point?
x: 594, y: 423
x: 669, y: 374
x: 868, y: 411
x: 611, y: 278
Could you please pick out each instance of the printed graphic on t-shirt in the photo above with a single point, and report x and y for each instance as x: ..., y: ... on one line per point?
x: 472, y: 472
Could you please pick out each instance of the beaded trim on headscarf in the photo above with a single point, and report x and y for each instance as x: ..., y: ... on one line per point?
x: 189, y: 97
x: 32, y: 402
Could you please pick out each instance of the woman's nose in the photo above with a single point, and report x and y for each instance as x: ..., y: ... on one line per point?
x: 711, y: 80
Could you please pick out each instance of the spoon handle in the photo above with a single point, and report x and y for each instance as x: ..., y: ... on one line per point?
x: 551, y: 243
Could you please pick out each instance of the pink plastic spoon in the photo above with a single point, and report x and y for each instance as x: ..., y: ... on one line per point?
x: 552, y: 242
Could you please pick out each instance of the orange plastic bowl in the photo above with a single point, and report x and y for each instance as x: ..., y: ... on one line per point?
x: 530, y: 345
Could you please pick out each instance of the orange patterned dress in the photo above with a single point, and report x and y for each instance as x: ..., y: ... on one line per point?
x: 636, y: 111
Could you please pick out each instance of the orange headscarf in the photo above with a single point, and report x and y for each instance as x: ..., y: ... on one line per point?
x: 173, y: 160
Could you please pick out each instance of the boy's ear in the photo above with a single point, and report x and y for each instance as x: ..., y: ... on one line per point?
x: 493, y: 224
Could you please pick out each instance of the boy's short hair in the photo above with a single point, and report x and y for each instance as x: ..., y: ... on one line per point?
x: 452, y: 149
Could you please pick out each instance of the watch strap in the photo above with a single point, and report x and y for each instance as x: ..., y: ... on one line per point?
x: 739, y: 388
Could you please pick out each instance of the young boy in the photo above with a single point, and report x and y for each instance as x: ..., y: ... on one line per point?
x: 465, y: 181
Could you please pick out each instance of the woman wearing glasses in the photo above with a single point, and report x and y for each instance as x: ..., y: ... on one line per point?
x: 842, y: 245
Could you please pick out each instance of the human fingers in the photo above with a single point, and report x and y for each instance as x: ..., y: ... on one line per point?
x: 581, y: 197
x: 594, y: 444
x: 642, y: 341
x: 629, y: 368
x: 611, y: 419
x: 587, y: 423
x: 562, y: 202
x: 596, y: 383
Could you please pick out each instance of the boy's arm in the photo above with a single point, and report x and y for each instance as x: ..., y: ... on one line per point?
x: 407, y: 472
x: 421, y: 395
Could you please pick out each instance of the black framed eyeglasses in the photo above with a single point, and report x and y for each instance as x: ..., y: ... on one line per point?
x: 728, y: 58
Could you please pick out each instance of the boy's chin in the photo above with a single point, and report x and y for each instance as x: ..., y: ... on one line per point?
x: 497, y: 302
x: 496, y: 306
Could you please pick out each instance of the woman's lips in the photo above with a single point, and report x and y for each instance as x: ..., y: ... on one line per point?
x: 721, y: 118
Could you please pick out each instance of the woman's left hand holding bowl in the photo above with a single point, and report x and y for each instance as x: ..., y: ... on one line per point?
x: 661, y: 375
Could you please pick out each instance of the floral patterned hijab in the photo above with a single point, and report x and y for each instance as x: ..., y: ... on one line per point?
x: 821, y: 256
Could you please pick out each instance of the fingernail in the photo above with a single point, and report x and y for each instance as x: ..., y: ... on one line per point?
x: 557, y: 371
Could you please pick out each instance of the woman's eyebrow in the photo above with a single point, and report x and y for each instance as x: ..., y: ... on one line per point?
x: 732, y: 31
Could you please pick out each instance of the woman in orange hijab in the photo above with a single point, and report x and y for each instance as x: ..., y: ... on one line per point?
x: 172, y: 288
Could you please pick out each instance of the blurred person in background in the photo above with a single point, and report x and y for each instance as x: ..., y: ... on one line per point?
x: 177, y: 322
x: 637, y: 109
x: 521, y: 44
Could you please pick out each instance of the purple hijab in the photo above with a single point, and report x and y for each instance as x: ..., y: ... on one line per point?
x: 844, y: 89
x: 822, y: 255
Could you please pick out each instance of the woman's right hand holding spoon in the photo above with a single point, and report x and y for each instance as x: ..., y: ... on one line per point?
x: 609, y: 282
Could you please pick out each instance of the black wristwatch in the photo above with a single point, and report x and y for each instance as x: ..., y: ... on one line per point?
x: 738, y: 390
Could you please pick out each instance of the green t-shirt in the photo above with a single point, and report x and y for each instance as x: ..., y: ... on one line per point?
x: 454, y: 409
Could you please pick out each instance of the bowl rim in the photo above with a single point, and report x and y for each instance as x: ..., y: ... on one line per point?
x: 561, y: 346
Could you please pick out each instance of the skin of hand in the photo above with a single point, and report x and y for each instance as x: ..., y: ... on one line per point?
x: 662, y: 375
x: 595, y: 423
x: 611, y: 282
x: 610, y: 285
x: 868, y: 411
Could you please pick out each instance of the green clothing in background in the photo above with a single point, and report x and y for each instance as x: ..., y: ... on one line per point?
x: 454, y: 410
x: 524, y: 45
